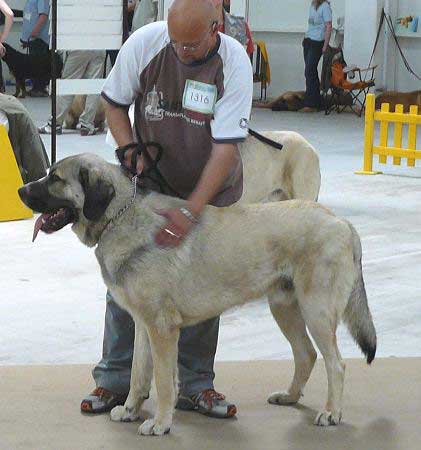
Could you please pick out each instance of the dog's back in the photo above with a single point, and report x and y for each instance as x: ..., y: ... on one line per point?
x: 407, y: 99
x: 24, y: 66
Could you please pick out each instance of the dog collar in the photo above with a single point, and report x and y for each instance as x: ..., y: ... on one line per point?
x: 112, y: 221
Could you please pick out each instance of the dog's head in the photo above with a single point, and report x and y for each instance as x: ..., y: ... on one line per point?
x: 77, y: 190
x: 9, y: 51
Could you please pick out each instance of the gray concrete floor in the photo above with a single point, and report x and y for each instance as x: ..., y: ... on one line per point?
x: 61, y: 316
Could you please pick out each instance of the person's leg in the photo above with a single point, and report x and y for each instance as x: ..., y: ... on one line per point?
x: 113, y: 371
x: 113, y: 56
x: 196, y: 355
x: 94, y: 69
x: 312, y: 55
x: 197, y: 348
x: 74, y: 68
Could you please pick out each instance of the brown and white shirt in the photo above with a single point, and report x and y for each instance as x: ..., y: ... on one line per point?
x: 185, y: 107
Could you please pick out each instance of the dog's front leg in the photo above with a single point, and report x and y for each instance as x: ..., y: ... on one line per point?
x: 164, y: 345
x: 140, y: 379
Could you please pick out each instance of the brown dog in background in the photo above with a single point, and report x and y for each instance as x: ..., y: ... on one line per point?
x: 400, y: 98
x: 294, y: 101
x: 78, y: 105
x: 288, y: 101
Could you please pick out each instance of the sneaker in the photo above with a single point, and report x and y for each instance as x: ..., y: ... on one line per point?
x: 85, y: 131
x: 47, y: 129
x: 208, y: 402
x: 101, y: 400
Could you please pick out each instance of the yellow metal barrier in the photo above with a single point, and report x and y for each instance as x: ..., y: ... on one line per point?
x: 11, y: 206
x: 385, y: 117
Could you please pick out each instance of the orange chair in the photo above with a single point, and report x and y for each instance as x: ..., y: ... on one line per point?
x: 339, y: 92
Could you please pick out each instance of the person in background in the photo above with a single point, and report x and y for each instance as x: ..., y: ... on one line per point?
x: 35, y: 37
x: 131, y: 5
x: 146, y: 11
x: 79, y: 64
x: 27, y: 145
x: 8, y: 21
x: 315, y: 43
x: 234, y: 26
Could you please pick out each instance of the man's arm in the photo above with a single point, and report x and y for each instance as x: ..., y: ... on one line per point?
x: 119, y: 124
x: 216, y: 171
x: 328, y: 33
x: 42, y: 18
x: 8, y: 21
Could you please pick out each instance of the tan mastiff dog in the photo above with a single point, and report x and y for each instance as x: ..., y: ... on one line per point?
x: 297, y: 253
x: 271, y: 174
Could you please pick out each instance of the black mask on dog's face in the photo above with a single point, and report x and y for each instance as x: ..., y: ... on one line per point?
x: 57, y: 212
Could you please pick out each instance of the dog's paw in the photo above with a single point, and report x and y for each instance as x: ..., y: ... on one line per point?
x: 283, y: 398
x: 328, y: 418
x: 152, y: 428
x: 123, y: 414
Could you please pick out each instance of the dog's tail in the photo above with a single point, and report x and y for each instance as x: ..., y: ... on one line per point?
x: 357, y: 314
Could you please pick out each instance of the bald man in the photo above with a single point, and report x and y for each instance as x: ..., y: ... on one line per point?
x: 192, y: 90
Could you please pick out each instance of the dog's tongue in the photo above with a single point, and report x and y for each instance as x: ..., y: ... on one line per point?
x: 38, y: 225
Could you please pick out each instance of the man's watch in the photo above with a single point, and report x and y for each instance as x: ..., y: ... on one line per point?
x: 189, y: 215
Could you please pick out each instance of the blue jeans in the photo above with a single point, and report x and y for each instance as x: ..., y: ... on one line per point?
x: 313, y: 51
x: 197, y: 347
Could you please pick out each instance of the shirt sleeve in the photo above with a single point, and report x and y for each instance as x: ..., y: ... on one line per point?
x: 232, y: 111
x: 122, y: 85
x: 327, y: 13
x: 43, y: 6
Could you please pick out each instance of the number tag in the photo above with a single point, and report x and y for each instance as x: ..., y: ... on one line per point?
x: 199, y: 97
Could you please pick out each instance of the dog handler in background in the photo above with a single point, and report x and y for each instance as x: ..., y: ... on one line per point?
x: 315, y: 44
x: 8, y: 21
x: 35, y: 36
x: 192, y: 88
x: 234, y: 26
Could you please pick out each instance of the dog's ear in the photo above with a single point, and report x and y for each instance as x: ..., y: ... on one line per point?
x: 98, y: 193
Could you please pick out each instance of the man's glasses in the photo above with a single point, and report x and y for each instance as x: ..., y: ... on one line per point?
x: 191, y: 48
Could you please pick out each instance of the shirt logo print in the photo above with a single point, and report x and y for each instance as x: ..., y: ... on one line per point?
x: 153, y: 111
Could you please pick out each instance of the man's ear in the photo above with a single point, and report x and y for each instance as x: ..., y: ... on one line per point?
x: 98, y: 193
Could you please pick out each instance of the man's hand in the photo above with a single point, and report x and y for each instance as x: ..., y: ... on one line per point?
x: 2, y: 50
x: 175, y: 230
x: 140, y: 165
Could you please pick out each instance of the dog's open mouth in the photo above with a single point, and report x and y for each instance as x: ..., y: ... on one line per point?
x: 54, y: 221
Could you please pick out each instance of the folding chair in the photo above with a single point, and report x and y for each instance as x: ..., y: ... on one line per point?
x: 338, y: 92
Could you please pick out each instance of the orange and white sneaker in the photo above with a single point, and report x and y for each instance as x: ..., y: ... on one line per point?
x: 101, y: 400
x: 208, y: 402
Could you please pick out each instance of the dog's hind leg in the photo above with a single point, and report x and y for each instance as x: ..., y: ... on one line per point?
x: 322, y: 325
x: 290, y: 321
x: 140, y: 380
x: 164, y: 345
